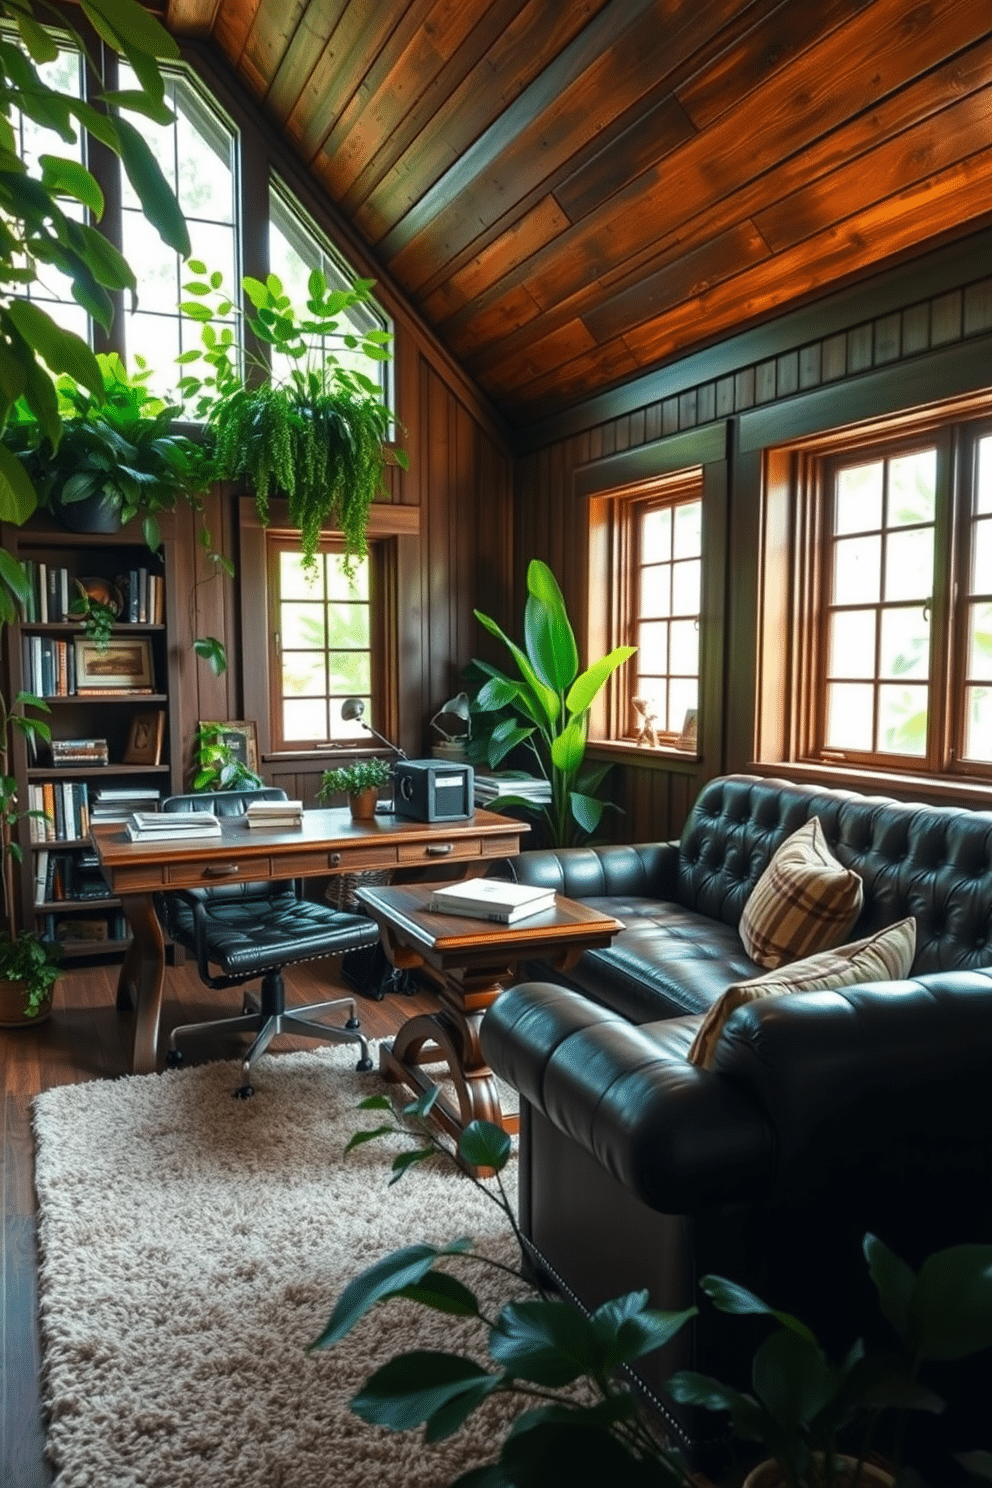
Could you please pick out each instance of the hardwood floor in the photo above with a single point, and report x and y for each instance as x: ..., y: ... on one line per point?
x: 87, y: 1039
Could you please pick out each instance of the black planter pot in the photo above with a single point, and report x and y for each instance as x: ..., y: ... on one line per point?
x: 97, y: 513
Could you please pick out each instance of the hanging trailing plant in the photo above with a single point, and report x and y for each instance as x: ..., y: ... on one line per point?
x: 320, y: 435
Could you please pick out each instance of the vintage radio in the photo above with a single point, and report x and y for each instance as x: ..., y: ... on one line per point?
x: 432, y: 790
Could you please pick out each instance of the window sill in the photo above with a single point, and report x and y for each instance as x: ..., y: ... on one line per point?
x: 652, y: 756
x: 932, y: 789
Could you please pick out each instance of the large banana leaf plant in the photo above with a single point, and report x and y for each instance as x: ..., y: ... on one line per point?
x: 545, y: 709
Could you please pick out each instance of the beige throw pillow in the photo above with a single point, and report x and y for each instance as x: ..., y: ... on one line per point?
x: 805, y: 901
x: 885, y: 957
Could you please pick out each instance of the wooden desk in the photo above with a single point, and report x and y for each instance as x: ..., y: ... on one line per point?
x: 328, y: 843
x: 475, y: 959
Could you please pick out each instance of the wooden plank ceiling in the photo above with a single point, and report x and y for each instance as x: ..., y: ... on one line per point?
x: 575, y: 191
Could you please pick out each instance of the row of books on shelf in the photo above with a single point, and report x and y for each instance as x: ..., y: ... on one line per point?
x: 137, y: 596
x: 52, y: 668
x: 68, y: 876
x: 60, y: 811
x: 89, y: 928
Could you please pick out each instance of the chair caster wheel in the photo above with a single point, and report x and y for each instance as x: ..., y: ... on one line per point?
x: 363, y: 1066
x: 243, y: 1092
x: 174, y: 1058
x: 353, y: 1023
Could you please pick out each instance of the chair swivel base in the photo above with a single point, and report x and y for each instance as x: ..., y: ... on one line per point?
x: 270, y: 1019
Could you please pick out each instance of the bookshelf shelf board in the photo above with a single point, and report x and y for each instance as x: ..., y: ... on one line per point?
x: 60, y: 699
x: 92, y: 947
x: 62, y: 772
x: 74, y: 627
x: 66, y: 906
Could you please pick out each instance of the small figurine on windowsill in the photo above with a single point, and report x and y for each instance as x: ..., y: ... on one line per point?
x: 647, y: 720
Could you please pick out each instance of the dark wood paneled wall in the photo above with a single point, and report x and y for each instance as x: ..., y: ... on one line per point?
x: 918, y: 335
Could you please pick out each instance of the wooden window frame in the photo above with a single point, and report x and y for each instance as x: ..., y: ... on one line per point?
x: 795, y: 578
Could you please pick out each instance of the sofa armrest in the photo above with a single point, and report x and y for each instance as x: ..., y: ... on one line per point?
x: 858, y: 1074
x: 678, y: 1137
x: 647, y: 870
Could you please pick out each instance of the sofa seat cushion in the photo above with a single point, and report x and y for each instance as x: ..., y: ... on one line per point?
x: 666, y: 962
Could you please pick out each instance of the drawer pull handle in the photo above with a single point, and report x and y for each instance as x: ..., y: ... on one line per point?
x: 438, y: 849
x: 221, y: 870
x: 333, y: 859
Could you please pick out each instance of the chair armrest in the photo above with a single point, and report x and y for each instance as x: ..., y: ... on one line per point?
x: 678, y: 1137
x: 647, y: 870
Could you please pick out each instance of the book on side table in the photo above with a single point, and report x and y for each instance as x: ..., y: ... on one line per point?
x: 491, y: 899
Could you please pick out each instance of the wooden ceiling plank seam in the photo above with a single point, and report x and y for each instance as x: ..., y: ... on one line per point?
x: 516, y: 58
x: 810, y: 105
x: 403, y: 83
x: 538, y: 227
x: 465, y: 60
x: 346, y: 57
x: 231, y: 27
x: 191, y: 17
x: 525, y: 110
x: 409, y: 56
x: 960, y: 194
x: 923, y: 95
x: 266, y: 42
x: 316, y: 26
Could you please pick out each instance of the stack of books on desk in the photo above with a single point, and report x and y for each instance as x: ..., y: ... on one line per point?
x: 491, y: 899
x: 116, y: 803
x: 276, y: 815
x: 164, y: 826
x: 531, y: 787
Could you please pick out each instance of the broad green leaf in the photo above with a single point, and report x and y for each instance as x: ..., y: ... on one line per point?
x: 484, y: 1145
x: 548, y: 633
x: 135, y: 26
x: 568, y: 750
x: 546, y: 1342
x: 949, y: 1315
x: 13, y: 575
x: 68, y: 178
x: 36, y: 39
x: 548, y: 700
x: 587, y: 810
x: 727, y: 1296
x: 18, y: 498
x: 585, y: 687
x: 893, y: 1279
x: 409, y: 1389
x: 398, y: 1269
x: 500, y: 747
x: 157, y: 200
x: 628, y: 1329
x: 442, y: 1293
x: 978, y: 1464
x: 792, y: 1378
x: 108, y: 267
x: 64, y: 351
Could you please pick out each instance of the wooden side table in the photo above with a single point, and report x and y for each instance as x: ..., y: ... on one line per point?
x: 473, y: 960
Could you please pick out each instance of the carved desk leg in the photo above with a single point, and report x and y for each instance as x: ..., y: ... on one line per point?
x: 451, y: 1036
x: 141, y: 979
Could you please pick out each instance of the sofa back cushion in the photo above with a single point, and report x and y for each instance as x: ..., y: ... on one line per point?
x: 931, y: 862
x: 884, y: 957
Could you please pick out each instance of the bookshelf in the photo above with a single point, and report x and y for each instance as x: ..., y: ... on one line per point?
x: 111, y: 713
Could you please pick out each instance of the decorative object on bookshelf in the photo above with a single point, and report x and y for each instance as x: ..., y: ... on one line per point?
x: 144, y: 740
x: 125, y: 664
x: 225, y: 756
x: 687, y: 739
x: 97, y: 620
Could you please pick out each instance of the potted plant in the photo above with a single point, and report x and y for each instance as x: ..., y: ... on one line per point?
x: 118, y: 456
x: 586, y: 1425
x: 216, y: 766
x: 360, y: 782
x: 545, y: 709
x: 320, y: 434
x: 29, y: 964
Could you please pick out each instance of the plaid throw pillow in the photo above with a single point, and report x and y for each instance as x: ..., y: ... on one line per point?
x: 805, y: 901
x: 885, y: 957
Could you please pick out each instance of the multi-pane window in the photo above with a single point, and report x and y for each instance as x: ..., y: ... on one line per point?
x: 296, y: 247
x: 323, y: 644
x: 665, y: 628
x: 197, y: 154
x: 894, y: 658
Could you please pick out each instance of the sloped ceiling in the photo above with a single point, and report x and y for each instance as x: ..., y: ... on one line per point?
x: 575, y: 191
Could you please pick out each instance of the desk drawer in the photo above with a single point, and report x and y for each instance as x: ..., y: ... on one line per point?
x: 133, y: 880
x: 194, y: 875
x: 314, y: 864
x: 440, y: 850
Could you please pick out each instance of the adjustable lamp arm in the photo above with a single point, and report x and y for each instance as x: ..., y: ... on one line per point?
x: 353, y: 709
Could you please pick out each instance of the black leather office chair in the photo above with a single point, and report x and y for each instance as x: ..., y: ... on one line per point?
x: 255, y: 930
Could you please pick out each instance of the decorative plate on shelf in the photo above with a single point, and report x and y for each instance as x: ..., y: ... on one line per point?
x: 103, y: 591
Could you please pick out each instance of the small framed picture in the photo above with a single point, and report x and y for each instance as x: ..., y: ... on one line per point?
x: 687, y: 739
x: 144, y: 740
x: 124, y: 665
x: 240, y: 736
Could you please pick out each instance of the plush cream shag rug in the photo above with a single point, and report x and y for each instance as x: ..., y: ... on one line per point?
x: 193, y: 1245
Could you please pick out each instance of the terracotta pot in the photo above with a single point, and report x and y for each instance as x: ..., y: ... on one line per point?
x: 363, y: 803
x: 768, y: 1474
x: 12, y: 1014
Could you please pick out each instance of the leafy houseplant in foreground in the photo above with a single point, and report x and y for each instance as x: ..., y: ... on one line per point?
x: 319, y: 435
x: 546, y: 710
x: 802, y: 1410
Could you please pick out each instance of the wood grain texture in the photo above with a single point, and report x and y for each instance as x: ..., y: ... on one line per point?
x: 572, y: 194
